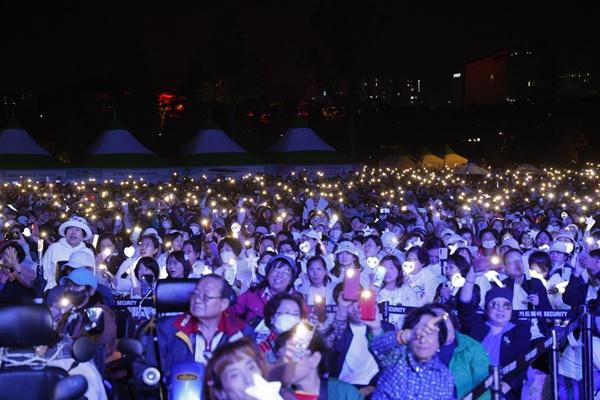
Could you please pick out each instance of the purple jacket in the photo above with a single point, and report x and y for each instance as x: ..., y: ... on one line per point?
x: 250, y: 305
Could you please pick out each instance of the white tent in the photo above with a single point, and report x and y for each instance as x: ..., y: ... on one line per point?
x: 210, y: 141
x: 212, y: 146
x: 301, y: 145
x: 19, y: 150
x: 471, y: 169
x: 18, y: 141
x: 118, y: 148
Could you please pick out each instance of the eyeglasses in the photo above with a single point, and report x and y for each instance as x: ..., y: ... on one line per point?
x: 500, y: 306
x: 293, y: 314
x: 204, y: 297
x: 282, y: 271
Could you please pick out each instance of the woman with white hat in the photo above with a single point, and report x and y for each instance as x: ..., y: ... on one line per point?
x: 348, y: 256
x: 74, y: 233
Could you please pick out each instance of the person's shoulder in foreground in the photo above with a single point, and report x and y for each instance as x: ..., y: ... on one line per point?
x: 338, y: 390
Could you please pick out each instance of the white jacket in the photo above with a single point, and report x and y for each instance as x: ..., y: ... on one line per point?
x: 59, y: 251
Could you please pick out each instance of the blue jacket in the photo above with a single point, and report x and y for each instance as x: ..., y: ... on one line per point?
x: 177, y: 341
x: 515, y: 342
x: 534, y: 286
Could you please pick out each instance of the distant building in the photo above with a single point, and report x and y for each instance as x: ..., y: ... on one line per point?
x: 509, y: 77
x: 457, y: 90
x: 392, y: 91
x: 575, y: 84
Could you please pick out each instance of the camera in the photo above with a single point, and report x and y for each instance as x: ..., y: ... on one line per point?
x: 11, y: 236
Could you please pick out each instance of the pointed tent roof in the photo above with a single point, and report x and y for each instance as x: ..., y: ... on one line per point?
x: 400, y: 160
x: 301, y: 145
x: 471, y: 169
x: 452, y: 160
x: 18, y: 150
x: 430, y: 160
x: 212, y: 146
x: 118, y: 148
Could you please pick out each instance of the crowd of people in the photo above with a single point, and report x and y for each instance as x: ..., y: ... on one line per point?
x: 289, y: 270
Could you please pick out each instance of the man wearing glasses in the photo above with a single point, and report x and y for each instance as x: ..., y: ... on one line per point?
x: 194, y: 336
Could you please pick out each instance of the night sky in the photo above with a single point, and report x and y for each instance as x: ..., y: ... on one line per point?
x: 82, y: 64
x: 297, y: 42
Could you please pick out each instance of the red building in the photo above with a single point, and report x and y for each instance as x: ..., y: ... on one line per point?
x: 486, y: 80
x: 509, y: 77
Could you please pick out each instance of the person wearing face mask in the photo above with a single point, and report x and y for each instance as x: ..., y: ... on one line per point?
x: 74, y: 232
x: 234, y: 268
x: 192, y: 252
x: 559, y: 275
x: 64, y: 315
x: 282, y: 313
x: 488, y: 242
x: 81, y: 292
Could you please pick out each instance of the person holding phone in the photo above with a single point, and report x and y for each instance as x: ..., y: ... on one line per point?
x: 309, y: 374
x: 354, y: 363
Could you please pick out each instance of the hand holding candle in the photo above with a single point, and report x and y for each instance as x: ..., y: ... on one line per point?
x: 319, y: 308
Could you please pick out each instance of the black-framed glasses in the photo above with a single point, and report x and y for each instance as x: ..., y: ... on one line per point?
x: 204, y: 297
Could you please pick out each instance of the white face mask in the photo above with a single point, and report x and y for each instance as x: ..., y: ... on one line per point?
x: 488, y: 244
x: 227, y: 256
x: 290, y: 254
x: 285, y: 322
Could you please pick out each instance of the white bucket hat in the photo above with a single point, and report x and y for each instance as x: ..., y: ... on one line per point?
x: 77, y: 222
x: 80, y: 259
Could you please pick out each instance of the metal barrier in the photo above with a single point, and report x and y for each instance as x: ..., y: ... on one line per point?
x: 492, y: 382
x: 558, y: 334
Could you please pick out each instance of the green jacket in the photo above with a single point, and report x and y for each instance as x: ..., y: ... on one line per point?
x: 338, y: 390
x: 469, y: 365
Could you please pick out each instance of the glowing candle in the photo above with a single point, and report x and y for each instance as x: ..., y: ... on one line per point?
x: 367, y: 306
x: 319, y: 308
x: 351, y: 290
